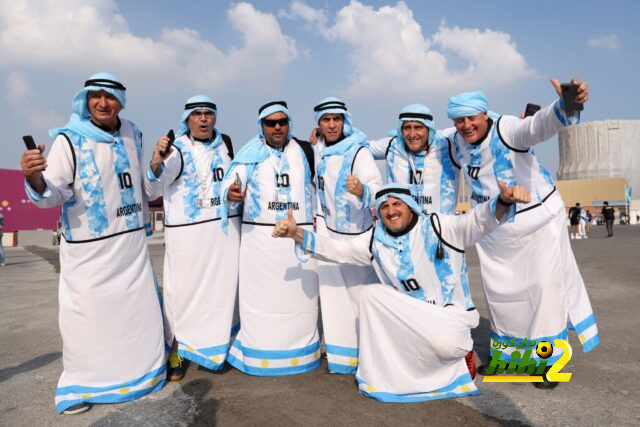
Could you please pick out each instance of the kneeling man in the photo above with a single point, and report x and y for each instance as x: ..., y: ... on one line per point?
x: 412, y: 344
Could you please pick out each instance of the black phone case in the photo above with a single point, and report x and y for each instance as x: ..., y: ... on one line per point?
x: 29, y: 142
x: 172, y: 137
x: 531, y: 109
x: 569, y: 94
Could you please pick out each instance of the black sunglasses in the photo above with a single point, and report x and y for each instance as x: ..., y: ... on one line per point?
x: 272, y: 123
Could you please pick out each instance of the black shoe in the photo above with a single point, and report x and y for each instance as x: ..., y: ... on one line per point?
x: 78, y: 408
x: 177, y: 367
x: 482, y: 369
x: 546, y: 384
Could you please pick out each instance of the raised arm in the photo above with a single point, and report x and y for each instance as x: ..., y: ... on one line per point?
x: 163, y: 170
x: 53, y: 186
x: 462, y: 231
x: 379, y: 147
x: 522, y: 134
x: 352, y: 251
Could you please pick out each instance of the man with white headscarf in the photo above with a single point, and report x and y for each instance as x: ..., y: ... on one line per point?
x: 278, y: 296
x: 533, y: 287
x: 412, y: 342
x: 347, y: 179
x: 418, y: 156
x: 110, y: 317
x: 200, y: 277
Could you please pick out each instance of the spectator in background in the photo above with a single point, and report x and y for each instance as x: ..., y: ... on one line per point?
x: 608, y: 212
x: 574, y: 220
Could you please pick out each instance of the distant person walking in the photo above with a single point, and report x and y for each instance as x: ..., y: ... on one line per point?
x: 582, y: 225
x: 609, y: 214
x: 574, y: 220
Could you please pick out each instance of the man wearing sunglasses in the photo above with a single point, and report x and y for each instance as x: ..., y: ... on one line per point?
x: 201, y: 261
x: 278, y: 296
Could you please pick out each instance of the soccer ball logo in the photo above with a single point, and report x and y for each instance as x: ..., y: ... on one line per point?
x: 544, y: 350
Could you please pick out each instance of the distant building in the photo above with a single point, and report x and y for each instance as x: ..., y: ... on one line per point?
x: 19, y: 213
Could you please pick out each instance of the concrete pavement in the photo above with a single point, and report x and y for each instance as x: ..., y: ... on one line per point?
x: 603, y: 388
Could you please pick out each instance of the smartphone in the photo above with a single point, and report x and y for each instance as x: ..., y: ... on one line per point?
x: 238, y: 182
x: 29, y: 142
x: 172, y: 137
x: 569, y: 95
x: 531, y: 109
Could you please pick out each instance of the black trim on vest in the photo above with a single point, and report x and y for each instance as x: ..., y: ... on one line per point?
x: 341, y: 232
x: 371, y: 244
x: 103, y: 237
x: 353, y: 162
x: 201, y: 105
x: 227, y: 142
x: 439, y: 235
x: 198, y: 222
x: 181, y: 164
x: 386, y: 153
x: 105, y: 83
x: 308, y: 153
x: 451, y: 155
x: 272, y: 224
x: 517, y: 150
x: 537, y: 204
x: 73, y: 154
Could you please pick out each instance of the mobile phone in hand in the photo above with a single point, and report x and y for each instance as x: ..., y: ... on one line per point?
x: 569, y: 96
x: 172, y: 137
x: 29, y: 142
x: 238, y: 182
x: 531, y: 109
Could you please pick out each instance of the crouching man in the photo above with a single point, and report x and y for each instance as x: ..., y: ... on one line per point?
x: 413, y: 344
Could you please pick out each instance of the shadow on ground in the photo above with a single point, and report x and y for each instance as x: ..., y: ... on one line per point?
x: 35, y: 363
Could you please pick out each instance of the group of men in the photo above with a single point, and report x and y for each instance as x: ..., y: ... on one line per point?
x: 394, y: 293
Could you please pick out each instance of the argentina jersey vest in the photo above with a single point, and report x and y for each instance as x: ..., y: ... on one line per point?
x: 107, y: 187
x: 194, y: 196
x: 432, y: 176
x: 413, y: 265
x: 278, y: 183
x: 339, y: 214
x: 492, y: 160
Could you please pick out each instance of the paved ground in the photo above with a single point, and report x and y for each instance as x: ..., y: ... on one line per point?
x: 603, y: 388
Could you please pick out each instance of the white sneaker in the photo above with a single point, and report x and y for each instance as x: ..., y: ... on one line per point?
x: 578, y: 237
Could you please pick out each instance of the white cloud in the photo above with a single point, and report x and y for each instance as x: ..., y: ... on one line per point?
x: 27, y: 103
x: 92, y: 35
x: 316, y: 18
x: 609, y: 42
x: 389, y: 52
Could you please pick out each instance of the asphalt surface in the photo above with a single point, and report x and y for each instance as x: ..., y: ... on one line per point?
x: 603, y: 389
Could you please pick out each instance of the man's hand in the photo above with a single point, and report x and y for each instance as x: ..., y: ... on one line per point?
x: 583, y: 89
x: 234, y: 194
x: 314, y: 135
x: 515, y: 194
x: 33, y: 163
x: 285, y: 227
x: 354, y: 186
x: 157, y: 158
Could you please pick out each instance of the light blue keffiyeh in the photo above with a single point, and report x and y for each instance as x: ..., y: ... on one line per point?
x: 414, y: 113
x: 80, y: 120
x: 467, y: 104
x: 197, y: 102
x: 397, y: 191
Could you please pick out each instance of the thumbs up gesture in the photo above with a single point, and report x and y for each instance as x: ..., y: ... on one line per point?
x: 515, y: 194
x: 285, y: 227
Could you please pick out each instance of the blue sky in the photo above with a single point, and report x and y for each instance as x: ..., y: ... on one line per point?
x: 376, y: 55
